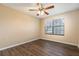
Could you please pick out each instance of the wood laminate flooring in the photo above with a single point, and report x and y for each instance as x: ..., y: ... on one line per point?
x: 41, y: 48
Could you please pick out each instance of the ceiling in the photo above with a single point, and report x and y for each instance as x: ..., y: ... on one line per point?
x: 59, y: 8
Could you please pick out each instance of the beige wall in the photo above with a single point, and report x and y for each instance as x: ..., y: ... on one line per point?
x: 15, y: 27
x: 71, y: 28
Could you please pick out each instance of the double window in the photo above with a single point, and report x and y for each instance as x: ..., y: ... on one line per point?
x: 55, y: 27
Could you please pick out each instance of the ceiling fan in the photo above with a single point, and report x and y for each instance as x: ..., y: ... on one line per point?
x: 41, y: 9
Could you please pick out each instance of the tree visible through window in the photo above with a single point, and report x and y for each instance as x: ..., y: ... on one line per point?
x: 55, y: 27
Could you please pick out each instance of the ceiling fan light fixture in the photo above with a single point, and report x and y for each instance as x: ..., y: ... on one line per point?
x: 42, y: 12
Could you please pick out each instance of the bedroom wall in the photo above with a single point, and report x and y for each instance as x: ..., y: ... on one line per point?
x: 15, y: 27
x: 71, y: 28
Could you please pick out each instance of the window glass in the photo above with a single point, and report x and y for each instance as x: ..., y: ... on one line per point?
x: 55, y: 27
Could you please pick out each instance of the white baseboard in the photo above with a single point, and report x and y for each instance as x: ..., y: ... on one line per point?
x: 17, y: 44
x: 61, y: 42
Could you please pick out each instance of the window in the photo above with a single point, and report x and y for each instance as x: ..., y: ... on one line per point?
x: 55, y: 27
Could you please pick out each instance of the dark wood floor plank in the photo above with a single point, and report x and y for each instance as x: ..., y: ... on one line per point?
x: 26, y: 51
x: 5, y: 53
x: 21, y: 50
x: 0, y: 53
x: 41, y: 48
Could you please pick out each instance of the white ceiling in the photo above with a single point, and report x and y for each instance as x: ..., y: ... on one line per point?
x: 59, y: 8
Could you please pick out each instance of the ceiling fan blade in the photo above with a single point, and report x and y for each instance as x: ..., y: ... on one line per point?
x: 46, y: 13
x: 49, y: 7
x: 39, y: 5
x: 33, y: 10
